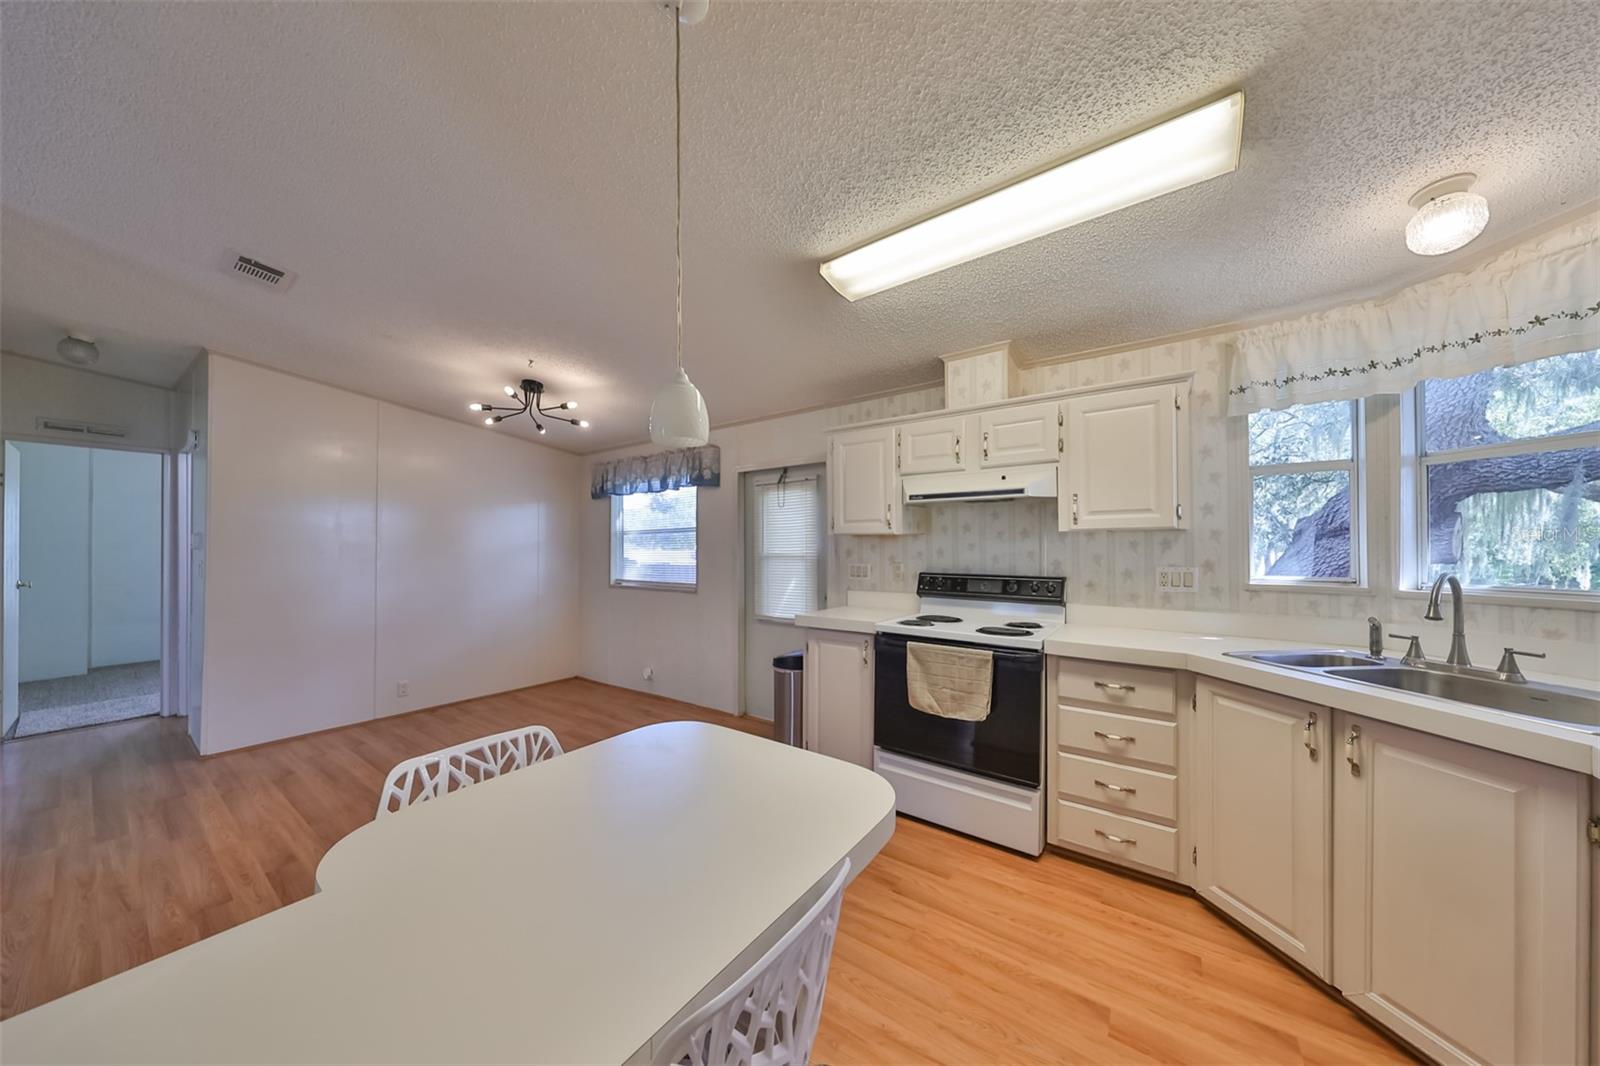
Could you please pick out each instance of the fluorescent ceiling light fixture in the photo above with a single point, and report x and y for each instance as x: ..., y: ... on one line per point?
x: 1194, y: 147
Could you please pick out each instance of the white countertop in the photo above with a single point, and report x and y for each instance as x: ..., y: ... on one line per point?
x: 1205, y: 654
x: 563, y: 913
x: 852, y: 619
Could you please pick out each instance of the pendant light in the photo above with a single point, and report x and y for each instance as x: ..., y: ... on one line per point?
x: 678, y: 417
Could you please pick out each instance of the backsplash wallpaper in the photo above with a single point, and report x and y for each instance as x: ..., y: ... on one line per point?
x: 1119, y: 569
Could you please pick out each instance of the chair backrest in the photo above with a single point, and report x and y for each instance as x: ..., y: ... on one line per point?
x: 430, y: 776
x: 771, y: 1013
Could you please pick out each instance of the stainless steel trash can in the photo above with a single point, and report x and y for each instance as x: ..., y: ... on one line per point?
x: 788, y: 698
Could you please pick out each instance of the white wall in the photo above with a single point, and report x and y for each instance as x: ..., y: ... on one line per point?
x: 33, y: 389
x: 350, y: 545
x: 477, y: 537
x: 53, y: 526
x: 124, y: 557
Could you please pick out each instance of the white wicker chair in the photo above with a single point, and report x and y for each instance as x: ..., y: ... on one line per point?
x: 769, y: 1016
x: 430, y: 776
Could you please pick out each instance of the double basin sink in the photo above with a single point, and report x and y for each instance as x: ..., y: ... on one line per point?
x: 1570, y: 707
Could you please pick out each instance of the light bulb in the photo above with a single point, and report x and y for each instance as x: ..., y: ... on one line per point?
x: 511, y: 392
x: 1448, y: 216
x: 541, y: 431
x: 491, y: 420
x: 570, y: 405
x: 474, y: 406
x: 583, y: 423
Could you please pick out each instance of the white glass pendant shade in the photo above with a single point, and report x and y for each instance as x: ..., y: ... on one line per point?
x: 1448, y: 216
x: 678, y: 416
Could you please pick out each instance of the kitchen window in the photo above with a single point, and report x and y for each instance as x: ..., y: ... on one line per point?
x: 788, y: 544
x: 1507, y: 477
x: 654, y: 541
x: 1305, y: 495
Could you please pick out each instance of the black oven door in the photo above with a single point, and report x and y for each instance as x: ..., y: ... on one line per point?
x: 1004, y: 746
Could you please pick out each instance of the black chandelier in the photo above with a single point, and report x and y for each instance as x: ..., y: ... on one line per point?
x: 528, y: 398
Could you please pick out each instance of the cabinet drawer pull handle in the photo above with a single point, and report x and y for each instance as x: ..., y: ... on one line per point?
x: 1117, y: 788
x: 1116, y: 839
x: 1311, y: 736
x: 1114, y: 736
x: 1350, y: 755
x: 1112, y: 686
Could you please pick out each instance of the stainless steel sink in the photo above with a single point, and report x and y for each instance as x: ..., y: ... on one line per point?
x: 1314, y: 660
x: 1575, y: 708
x: 1554, y: 703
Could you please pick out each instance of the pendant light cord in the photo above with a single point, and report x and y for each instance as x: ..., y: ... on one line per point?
x: 677, y: 150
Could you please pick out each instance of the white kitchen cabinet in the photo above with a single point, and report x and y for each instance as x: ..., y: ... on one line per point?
x: 864, y: 488
x: 1022, y: 433
x: 1461, y: 895
x: 1126, y: 459
x: 838, y: 695
x: 1261, y: 801
x: 934, y: 446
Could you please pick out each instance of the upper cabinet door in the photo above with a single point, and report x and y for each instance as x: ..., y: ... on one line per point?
x: 935, y: 446
x: 861, y: 473
x: 1460, y: 895
x: 1028, y: 433
x: 1261, y: 804
x: 1126, y: 462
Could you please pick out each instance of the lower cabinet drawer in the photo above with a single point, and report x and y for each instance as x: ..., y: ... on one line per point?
x: 1113, y: 836
x: 1126, y: 789
x: 1120, y: 736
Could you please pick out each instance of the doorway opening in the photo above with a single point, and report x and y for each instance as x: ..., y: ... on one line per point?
x: 785, y: 550
x: 83, y: 586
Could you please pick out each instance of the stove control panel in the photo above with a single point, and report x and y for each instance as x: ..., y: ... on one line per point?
x: 994, y: 587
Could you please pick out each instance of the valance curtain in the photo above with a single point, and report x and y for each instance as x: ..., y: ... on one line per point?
x: 677, y: 469
x: 1539, y: 299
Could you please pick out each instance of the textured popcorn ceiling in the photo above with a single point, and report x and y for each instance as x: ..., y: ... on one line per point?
x: 464, y: 187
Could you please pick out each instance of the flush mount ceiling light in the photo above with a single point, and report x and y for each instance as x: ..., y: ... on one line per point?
x: 1183, y: 151
x: 78, y: 350
x: 678, y: 417
x: 1448, y: 216
x: 527, y: 398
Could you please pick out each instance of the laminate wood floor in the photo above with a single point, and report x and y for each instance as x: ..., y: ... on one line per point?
x: 119, y: 844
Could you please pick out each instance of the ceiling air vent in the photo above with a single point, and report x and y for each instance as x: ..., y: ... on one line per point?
x: 255, y: 270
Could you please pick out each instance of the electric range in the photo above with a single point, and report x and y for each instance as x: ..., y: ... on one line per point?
x: 980, y: 777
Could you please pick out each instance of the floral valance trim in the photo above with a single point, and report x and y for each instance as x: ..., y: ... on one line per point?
x: 1537, y: 299
x: 700, y: 467
x: 1400, y: 362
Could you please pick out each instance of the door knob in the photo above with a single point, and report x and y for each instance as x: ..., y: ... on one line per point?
x: 24, y: 584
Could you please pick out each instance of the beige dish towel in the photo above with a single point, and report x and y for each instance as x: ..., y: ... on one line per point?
x: 949, y: 682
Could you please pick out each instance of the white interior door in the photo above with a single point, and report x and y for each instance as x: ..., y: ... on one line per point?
x: 9, y: 532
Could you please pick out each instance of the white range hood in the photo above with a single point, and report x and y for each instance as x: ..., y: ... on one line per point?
x: 1005, y: 483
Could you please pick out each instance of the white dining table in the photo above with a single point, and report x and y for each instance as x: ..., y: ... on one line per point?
x: 569, y: 912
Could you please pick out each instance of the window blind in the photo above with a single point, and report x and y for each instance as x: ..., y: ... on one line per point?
x: 788, y: 547
x: 653, y: 538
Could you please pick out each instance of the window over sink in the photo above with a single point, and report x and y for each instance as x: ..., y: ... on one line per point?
x: 1506, y: 477
x: 1305, y: 494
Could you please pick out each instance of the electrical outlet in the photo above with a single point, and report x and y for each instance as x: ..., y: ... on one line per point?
x: 649, y: 673
x: 897, y: 571
x: 860, y: 571
x: 402, y: 689
x: 1178, y: 579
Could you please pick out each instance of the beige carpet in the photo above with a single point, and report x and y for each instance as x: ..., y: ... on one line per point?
x: 106, y: 694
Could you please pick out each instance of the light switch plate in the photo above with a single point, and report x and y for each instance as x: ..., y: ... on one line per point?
x: 1178, y: 579
x: 860, y: 571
